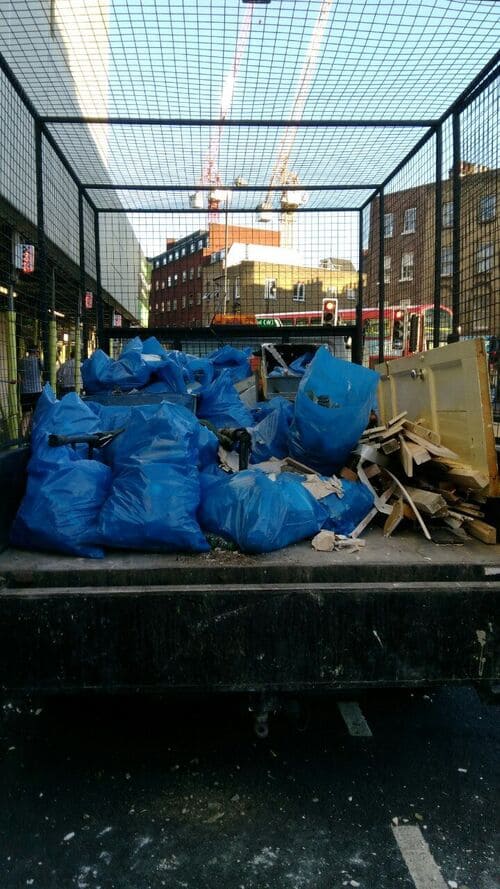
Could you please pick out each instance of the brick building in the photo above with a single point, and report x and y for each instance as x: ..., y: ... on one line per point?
x: 178, y: 277
x: 409, y: 249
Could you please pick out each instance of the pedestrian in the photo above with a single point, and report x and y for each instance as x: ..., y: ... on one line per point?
x: 66, y: 376
x: 30, y: 376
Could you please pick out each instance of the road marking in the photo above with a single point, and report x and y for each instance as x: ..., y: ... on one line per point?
x: 354, y: 719
x: 418, y: 857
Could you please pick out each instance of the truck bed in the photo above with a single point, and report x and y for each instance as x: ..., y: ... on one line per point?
x: 400, y: 612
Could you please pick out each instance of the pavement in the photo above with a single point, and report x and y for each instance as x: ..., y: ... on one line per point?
x: 386, y: 790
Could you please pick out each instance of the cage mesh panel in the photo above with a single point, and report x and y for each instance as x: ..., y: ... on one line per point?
x: 403, y: 59
x: 245, y: 202
x: 169, y: 155
x: 60, y: 198
x: 17, y: 152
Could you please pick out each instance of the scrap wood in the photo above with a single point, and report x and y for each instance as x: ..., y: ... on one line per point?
x: 380, y: 503
x: 395, y: 518
x: 349, y: 474
x: 391, y: 445
x: 405, y: 456
x: 364, y: 523
x: 397, y: 418
x: 422, y: 432
x: 418, y: 452
x: 428, y: 501
x: 484, y: 532
x: 434, y: 449
x: 462, y: 474
x: 372, y: 470
x: 407, y: 497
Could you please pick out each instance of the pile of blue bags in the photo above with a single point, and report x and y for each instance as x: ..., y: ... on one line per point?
x: 157, y: 486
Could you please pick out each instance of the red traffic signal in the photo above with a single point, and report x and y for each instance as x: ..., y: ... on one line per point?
x: 329, y: 311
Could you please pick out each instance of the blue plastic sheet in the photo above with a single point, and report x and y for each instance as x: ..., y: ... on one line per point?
x: 263, y: 408
x: 221, y: 405
x: 344, y: 514
x: 332, y: 408
x: 61, y: 507
x: 300, y: 365
x: 270, y: 436
x: 258, y: 513
x: 152, y: 506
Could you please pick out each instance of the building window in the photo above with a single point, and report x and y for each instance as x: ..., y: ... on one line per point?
x: 183, y: 251
x: 157, y: 264
x: 388, y: 225
x: 156, y: 306
x: 190, y: 303
x: 157, y: 285
x: 487, y: 208
x: 446, y: 262
x: 200, y: 245
x: 410, y: 220
x: 485, y: 258
x: 176, y: 254
x: 176, y: 280
x: 184, y: 275
x: 192, y: 246
x: 163, y: 285
x: 170, y: 257
x: 198, y: 272
x: 163, y: 307
x: 236, y: 289
x: 351, y: 293
x: 387, y: 269
x: 407, y: 267
x: 299, y: 292
x: 164, y: 260
x: 169, y: 281
x: 169, y: 305
x: 447, y: 214
x: 191, y: 274
x: 270, y: 289
x: 183, y: 302
x: 174, y: 305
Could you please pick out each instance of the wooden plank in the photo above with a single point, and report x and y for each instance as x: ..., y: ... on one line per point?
x: 395, y: 518
x: 422, y: 432
x: 364, y: 523
x: 407, y: 497
x: 464, y: 476
x: 418, y: 452
x: 348, y: 474
x: 427, y: 501
x: 372, y: 471
x: 483, y: 531
x: 390, y: 446
x: 406, y: 457
x: 435, y: 450
x: 397, y: 418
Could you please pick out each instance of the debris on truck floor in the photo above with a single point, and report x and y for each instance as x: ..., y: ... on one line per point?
x: 435, y: 488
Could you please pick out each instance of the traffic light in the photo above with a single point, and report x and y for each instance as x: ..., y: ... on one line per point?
x: 328, y: 311
x: 398, y: 331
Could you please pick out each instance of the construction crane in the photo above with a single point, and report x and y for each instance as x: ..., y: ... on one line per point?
x: 291, y: 200
x: 210, y: 175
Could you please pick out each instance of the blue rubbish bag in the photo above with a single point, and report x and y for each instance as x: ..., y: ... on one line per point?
x: 256, y: 512
x: 152, y: 506
x: 61, y: 507
x: 102, y: 374
x: 263, y: 408
x: 172, y: 373
x: 344, y: 514
x: 168, y: 435
x: 332, y: 408
x: 270, y: 436
x: 70, y: 416
x: 221, y: 405
x: 235, y: 361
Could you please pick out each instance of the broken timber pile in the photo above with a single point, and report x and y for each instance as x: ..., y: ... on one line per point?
x: 413, y: 476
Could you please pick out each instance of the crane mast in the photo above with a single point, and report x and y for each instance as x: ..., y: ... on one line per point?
x: 281, y: 175
x: 210, y: 171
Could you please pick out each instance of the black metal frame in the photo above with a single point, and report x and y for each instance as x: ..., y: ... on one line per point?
x: 434, y: 128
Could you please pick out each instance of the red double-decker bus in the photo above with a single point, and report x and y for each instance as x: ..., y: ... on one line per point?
x: 407, y: 329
